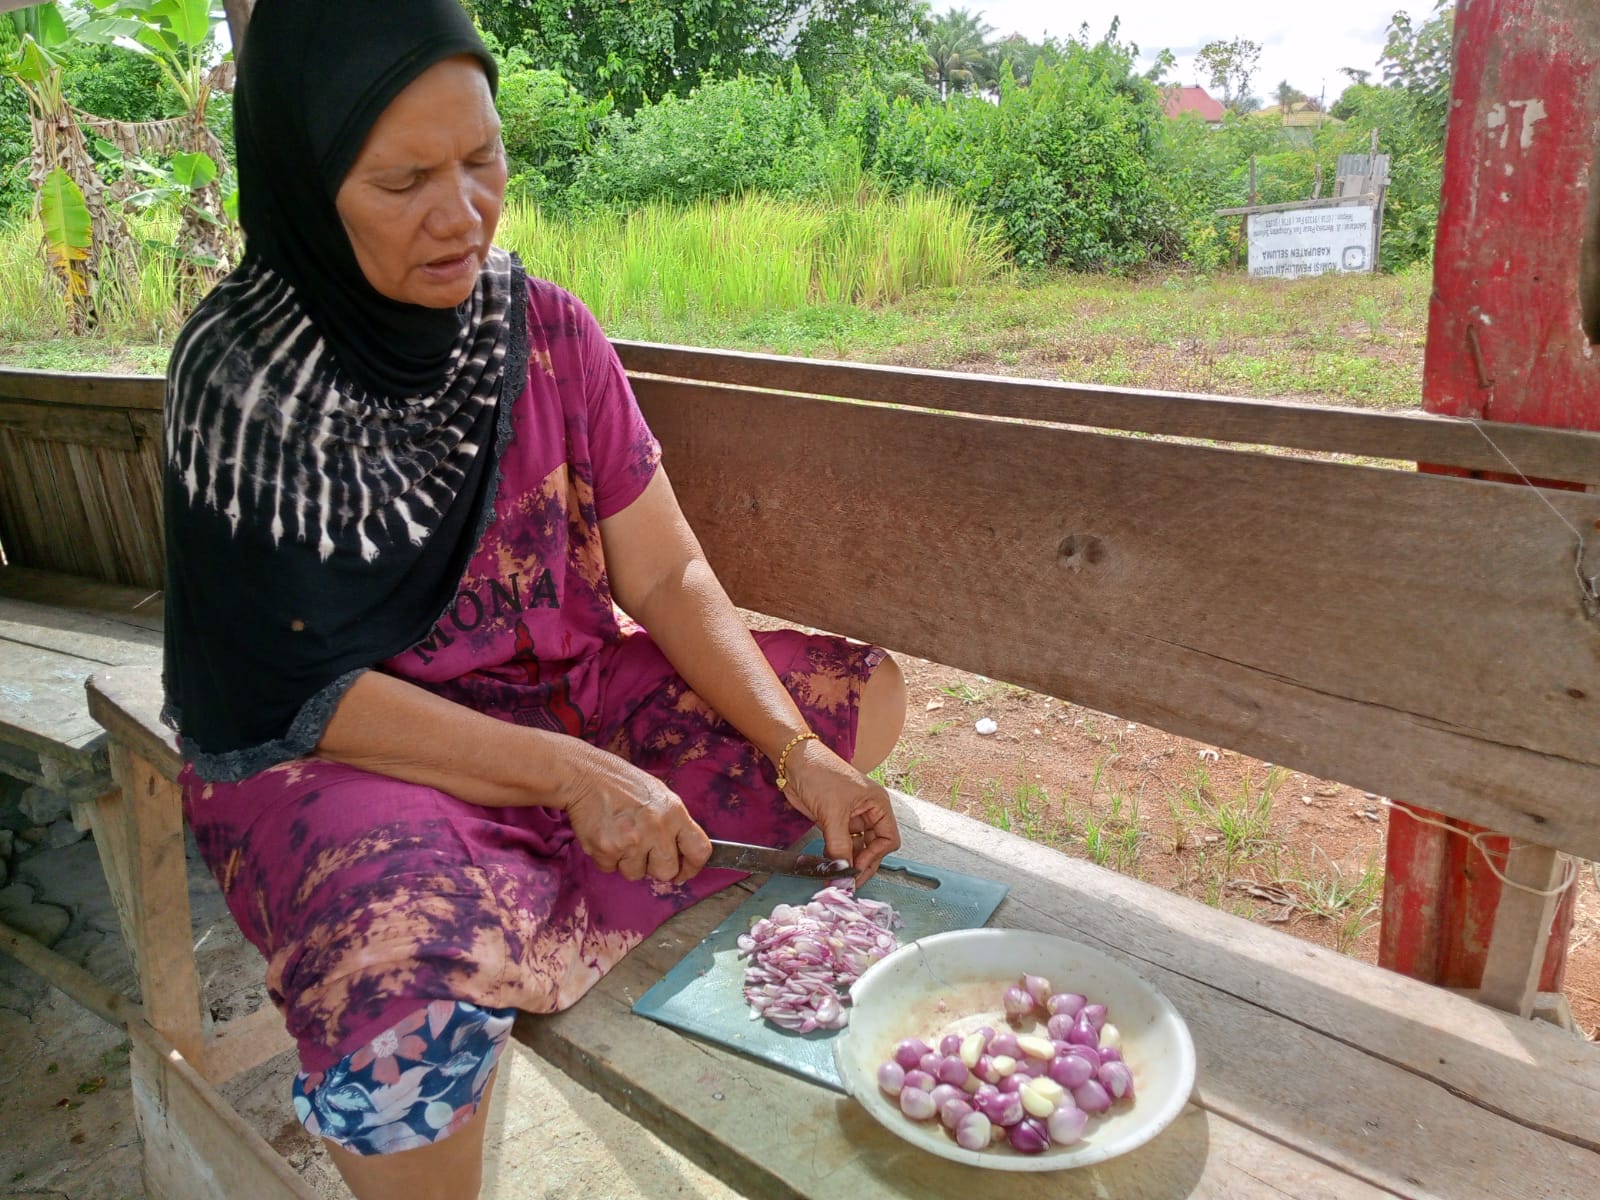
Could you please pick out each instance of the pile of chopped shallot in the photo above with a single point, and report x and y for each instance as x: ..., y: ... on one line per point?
x: 803, y: 958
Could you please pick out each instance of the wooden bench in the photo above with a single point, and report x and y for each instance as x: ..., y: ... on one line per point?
x: 1006, y: 527
x: 80, y: 528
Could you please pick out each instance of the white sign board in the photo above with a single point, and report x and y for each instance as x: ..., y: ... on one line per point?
x: 1311, y: 241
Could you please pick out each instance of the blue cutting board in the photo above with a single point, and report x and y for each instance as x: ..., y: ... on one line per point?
x: 704, y: 993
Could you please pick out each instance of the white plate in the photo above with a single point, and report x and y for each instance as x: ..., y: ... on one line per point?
x: 968, y: 972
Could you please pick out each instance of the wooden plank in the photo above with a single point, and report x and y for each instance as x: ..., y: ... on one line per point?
x: 1282, y: 1033
x: 59, y: 423
x: 1522, y: 928
x: 111, y: 1007
x: 42, y: 707
x: 118, y: 603
x: 243, y: 1043
x: 196, y: 1147
x: 82, y: 635
x: 87, y: 389
x: 771, y: 1135
x: 126, y: 702
x: 1419, y: 437
x: 1530, y: 1072
x: 139, y: 834
x: 1280, y: 607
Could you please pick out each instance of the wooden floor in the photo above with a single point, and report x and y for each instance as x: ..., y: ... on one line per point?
x: 1318, y: 1076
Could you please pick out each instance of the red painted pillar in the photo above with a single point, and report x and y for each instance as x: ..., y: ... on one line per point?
x: 1512, y: 326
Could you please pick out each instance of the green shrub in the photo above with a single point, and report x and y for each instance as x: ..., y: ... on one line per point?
x: 1061, y: 166
x: 732, y: 136
x: 548, y: 127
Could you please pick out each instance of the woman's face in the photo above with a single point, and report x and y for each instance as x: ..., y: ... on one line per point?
x: 422, y: 201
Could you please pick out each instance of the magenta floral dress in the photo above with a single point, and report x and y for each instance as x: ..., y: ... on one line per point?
x: 373, y: 899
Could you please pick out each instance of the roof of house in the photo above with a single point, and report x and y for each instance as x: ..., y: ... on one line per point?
x: 1300, y: 113
x: 1180, y: 100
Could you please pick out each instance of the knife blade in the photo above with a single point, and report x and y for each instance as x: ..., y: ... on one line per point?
x: 738, y: 856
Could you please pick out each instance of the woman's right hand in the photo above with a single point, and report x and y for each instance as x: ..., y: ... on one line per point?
x: 629, y: 821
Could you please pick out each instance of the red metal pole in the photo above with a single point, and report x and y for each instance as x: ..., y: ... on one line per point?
x: 1516, y: 301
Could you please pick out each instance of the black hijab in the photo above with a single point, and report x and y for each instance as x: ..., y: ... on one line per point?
x: 330, y: 453
x: 313, y: 78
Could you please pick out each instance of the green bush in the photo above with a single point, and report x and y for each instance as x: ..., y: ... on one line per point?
x: 548, y: 127
x: 732, y: 136
x: 1062, y: 166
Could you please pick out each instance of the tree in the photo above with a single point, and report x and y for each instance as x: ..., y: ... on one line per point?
x: 1420, y: 60
x: 1287, y: 96
x: 639, y: 51
x: 1230, y: 66
x: 956, y: 43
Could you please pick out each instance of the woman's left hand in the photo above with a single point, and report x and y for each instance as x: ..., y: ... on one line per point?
x: 853, y: 812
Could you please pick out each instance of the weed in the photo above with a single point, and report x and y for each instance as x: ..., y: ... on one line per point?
x: 896, y: 772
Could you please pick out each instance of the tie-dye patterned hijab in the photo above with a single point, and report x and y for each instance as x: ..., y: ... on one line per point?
x: 330, y: 453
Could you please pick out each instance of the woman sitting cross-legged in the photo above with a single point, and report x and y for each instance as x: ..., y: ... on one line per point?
x: 438, y: 775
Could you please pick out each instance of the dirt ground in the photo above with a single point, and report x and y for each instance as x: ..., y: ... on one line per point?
x: 1277, y: 846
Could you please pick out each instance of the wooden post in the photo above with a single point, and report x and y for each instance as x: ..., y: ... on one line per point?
x: 238, y: 18
x: 1379, y: 190
x: 1244, y: 221
x: 1506, y: 345
x: 139, y: 834
x: 1522, y: 928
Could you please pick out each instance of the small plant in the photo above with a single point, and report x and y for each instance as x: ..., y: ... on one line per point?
x: 897, y: 773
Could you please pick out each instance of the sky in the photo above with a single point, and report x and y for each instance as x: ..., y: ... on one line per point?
x: 1303, y: 43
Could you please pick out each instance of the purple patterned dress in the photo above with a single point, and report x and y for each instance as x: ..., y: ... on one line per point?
x: 371, y: 898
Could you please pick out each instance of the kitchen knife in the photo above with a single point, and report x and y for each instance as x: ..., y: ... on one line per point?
x: 737, y: 856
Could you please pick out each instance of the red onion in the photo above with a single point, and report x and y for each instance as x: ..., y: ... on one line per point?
x: 952, y: 1112
x: 1091, y: 1097
x: 919, y: 1080
x: 803, y: 957
x: 930, y: 1062
x: 950, y: 1044
x: 943, y: 1092
x: 952, y: 1070
x: 916, y: 1103
x: 1109, y: 1053
x: 891, y: 1077
x: 1064, y: 1004
x: 1030, y: 1136
x: 1017, y: 1002
x: 974, y: 1132
x: 1038, y: 987
x: 1116, y: 1079
x: 1004, y: 1042
x: 1071, y: 1070
x: 1096, y: 1014
x: 1010, y: 1083
x: 909, y: 1052
x: 1066, y: 1125
x: 1082, y: 1032
x: 1059, y: 1026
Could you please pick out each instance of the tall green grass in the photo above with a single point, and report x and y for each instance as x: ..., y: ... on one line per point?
x: 717, y: 260
x: 753, y: 254
x: 146, y: 304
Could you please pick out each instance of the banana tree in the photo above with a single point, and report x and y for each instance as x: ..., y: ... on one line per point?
x: 177, y: 35
x: 72, y: 196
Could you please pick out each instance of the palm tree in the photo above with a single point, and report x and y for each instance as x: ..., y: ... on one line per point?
x: 1288, y: 96
x: 956, y: 44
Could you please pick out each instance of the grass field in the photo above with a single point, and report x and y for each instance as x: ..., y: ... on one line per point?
x: 911, y: 282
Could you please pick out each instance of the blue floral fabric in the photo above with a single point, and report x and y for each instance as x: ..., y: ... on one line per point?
x: 415, y: 1083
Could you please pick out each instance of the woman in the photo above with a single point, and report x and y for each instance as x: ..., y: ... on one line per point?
x: 437, y: 777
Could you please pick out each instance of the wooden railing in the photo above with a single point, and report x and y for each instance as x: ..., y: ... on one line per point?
x: 1421, y: 636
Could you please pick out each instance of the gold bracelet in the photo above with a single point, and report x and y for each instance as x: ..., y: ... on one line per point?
x: 783, y: 780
